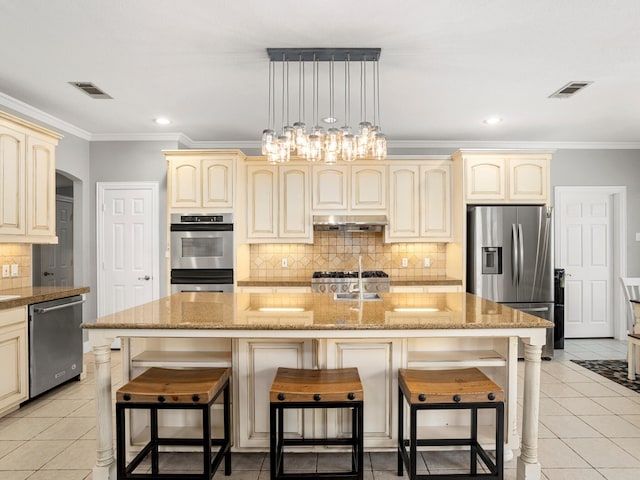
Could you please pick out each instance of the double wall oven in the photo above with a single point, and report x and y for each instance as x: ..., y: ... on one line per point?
x: 201, y: 252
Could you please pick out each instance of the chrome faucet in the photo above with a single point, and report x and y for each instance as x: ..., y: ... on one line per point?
x: 360, y: 285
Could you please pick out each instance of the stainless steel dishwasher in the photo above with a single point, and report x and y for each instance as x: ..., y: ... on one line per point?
x: 55, y: 343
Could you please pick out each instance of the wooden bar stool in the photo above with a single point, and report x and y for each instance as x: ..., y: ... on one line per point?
x: 297, y: 388
x: 466, y: 388
x: 165, y: 389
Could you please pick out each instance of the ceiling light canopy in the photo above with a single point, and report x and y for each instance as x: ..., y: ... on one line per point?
x: 315, y: 144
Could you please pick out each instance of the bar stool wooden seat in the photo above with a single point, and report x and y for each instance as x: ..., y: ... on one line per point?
x: 634, y: 343
x: 466, y: 388
x: 300, y: 388
x: 164, y: 389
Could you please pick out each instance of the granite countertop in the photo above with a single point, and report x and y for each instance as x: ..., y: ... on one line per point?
x: 317, y: 311
x: 29, y: 295
x: 305, y: 281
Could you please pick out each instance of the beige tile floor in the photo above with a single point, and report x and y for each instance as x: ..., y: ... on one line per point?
x: 589, y: 430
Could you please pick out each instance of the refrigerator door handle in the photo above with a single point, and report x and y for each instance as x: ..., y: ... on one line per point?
x: 514, y: 254
x: 521, y: 255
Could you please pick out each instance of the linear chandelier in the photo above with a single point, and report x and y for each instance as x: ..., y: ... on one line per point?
x: 315, y: 143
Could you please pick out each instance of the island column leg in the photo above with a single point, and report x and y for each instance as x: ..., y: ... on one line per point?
x: 528, y: 466
x: 105, y: 468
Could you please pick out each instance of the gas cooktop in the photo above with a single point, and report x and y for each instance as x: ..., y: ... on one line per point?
x: 347, y: 281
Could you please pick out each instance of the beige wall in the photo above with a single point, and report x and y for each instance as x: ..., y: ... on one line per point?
x: 332, y: 251
x: 20, y: 254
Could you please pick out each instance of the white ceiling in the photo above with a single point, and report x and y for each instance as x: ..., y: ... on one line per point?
x: 445, y: 65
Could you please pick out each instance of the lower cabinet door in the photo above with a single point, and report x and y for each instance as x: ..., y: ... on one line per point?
x: 13, y: 358
x: 377, y: 363
x: 256, y: 362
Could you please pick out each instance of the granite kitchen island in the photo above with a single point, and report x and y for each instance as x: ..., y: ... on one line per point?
x: 256, y: 333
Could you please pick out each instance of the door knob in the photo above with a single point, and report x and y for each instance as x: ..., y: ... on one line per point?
x: 146, y: 277
x: 46, y: 274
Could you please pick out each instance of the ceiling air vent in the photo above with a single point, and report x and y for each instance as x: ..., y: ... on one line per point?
x: 569, y: 89
x: 90, y: 89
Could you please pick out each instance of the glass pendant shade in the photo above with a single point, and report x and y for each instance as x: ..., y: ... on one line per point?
x: 348, y: 147
x: 380, y: 146
x: 314, y: 153
x: 268, y: 141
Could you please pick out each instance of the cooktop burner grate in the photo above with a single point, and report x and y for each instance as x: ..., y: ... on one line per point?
x: 327, y: 282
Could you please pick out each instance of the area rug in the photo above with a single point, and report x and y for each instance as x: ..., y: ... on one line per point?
x: 615, y: 370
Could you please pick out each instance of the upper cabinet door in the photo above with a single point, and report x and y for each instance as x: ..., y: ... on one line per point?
x: 262, y: 199
x: 41, y: 187
x: 436, y: 202
x: 201, y: 180
x: 528, y: 179
x: 485, y: 178
x: 217, y: 183
x: 368, y: 187
x: 12, y: 181
x: 404, y: 192
x: 330, y: 185
x: 295, y: 218
x: 185, y: 183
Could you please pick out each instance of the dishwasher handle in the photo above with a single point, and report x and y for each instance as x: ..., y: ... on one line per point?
x: 58, y: 307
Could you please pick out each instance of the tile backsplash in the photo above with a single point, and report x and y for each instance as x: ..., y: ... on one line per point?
x: 339, y: 251
x: 16, y: 254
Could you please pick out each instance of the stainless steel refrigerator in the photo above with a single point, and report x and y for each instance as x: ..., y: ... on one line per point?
x: 510, y: 259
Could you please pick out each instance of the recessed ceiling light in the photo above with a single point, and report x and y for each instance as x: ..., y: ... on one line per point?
x: 162, y: 121
x: 492, y: 120
x: 329, y: 120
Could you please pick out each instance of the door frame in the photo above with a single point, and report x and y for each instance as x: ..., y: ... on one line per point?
x: 101, y: 188
x: 618, y: 244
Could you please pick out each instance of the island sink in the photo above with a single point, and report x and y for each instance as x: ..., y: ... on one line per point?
x: 355, y: 297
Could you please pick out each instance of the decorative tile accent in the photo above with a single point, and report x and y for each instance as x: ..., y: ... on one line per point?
x: 340, y: 251
x: 16, y: 253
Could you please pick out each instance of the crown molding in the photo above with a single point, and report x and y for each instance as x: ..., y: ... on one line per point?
x: 397, y: 145
x: 40, y: 116
x: 514, y: 145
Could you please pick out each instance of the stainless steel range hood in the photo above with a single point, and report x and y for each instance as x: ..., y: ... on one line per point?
x: 349, y: 223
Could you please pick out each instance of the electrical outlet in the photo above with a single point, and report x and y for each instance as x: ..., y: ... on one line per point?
x: 405, y: 263
x: 14, y: 269
x: 285, y: 264
x: 427, y: 262
x: 5, y: 271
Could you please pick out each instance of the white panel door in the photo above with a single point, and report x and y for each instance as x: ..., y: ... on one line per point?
x: 127, y: 246
x: 586, y: 253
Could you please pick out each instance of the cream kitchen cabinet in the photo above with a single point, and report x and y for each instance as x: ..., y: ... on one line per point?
x: 330, y: 187
x: 377, y: 363
x: 420, y: 202
x: 506, y: 177
x: 13, y: 358
x: 201, y: 180
x: 349, y: 188
x: 255, y: 363
x: 27, y: 182
x: 278, y: 201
